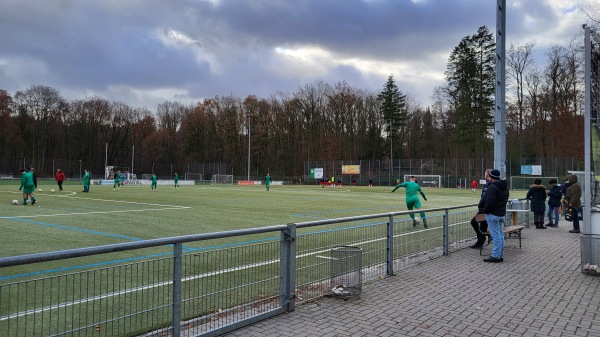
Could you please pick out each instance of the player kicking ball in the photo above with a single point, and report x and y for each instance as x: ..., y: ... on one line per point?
x: 412, y: 198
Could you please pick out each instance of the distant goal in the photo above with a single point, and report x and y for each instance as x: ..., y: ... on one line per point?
x: 194, y: 176
x: 221, y: 179
x: 523, y: 182
x: 426, y: 180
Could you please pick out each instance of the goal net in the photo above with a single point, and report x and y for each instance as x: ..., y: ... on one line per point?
x: 426, y: 180
x: 193, y: 176
x: 523, y: 182
x: 221, y: 179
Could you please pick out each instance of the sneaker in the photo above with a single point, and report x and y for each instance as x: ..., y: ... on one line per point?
x: 476, y: 246
x: 574, y: 231
x: 493, y: 260
x: 551, y: 225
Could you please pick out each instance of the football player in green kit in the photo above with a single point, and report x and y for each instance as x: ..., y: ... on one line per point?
x: 27, y: 186
x: 176, y: 180
x: 153, y: 186
x: 412, y: 198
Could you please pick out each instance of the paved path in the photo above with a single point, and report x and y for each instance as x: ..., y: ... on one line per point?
x: 538, y: 290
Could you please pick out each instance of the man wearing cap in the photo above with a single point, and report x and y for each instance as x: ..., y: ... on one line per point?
x: 495, y: 210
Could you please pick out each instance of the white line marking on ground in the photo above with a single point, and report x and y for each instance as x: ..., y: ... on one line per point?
x: 99, y: 212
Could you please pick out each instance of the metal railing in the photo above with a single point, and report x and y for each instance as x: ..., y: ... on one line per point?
x: 209, y: 284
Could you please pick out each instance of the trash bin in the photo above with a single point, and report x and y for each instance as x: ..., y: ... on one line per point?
x: 346, y: 271
x: 590, y: 254
x: 518, y: 216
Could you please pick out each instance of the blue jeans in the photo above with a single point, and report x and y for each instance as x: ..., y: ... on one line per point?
x: 551, y: 210
x: 496, y: 226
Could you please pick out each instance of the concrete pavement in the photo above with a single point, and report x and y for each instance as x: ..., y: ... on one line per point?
x: 538, y: 290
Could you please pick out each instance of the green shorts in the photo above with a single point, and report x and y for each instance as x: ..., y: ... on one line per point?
x: 28, y: 189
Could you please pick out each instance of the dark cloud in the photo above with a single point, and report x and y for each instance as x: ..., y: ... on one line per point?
x: 147, y: 51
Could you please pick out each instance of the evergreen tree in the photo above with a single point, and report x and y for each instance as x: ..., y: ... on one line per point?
x: 470, y: 75
x: 394, y: 113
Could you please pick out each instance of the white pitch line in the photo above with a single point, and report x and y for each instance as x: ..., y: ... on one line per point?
x: 98, y: 212
x: 166, y: 283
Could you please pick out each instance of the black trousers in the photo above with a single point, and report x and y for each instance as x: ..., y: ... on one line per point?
x: 479, y: 228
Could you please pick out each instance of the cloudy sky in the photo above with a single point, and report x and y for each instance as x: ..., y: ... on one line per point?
x: 143, y: 52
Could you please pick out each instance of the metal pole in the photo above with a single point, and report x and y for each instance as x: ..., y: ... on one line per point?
x: 500, y: 108
x: 176, y: 306
x: 105, y: 160
x: 132, y: 156
x: 588, y: 183
x: 249, y: 131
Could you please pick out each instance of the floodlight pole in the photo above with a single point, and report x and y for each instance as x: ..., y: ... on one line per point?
x: 500, y: 95
x: 249, y: 133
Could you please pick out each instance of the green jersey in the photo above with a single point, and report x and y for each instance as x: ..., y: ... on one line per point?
x: 412, y: 189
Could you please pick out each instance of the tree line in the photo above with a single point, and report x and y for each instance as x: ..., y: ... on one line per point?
x: 319, y: 121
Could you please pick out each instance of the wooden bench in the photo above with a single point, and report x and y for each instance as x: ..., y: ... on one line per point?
x: 514, y: 229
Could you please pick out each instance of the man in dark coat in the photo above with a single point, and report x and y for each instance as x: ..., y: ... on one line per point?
x: 495, y: 210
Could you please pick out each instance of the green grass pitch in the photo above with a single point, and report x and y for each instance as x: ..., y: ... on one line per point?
x: 72, y: 219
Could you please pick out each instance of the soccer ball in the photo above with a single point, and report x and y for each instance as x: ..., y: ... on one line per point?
x: 15, y: 202
x: 39, y: 189
x: 417, y: 220
x: 52, y: 190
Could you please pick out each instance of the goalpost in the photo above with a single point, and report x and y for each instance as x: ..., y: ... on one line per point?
x: 523, y: 182
x: 221, y: 179
x: 193, y: 176
x: 426, y: 180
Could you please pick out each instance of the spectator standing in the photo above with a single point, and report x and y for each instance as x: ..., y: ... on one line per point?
x: 554, y: 196
x: 495, y: 211
x: 481, y: 226
x: 537, y: 196
x: 60, y: 178
x: 573, y: 200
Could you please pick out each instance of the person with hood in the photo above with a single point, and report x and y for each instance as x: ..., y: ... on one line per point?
x: 573, y: 200
x: 554, y: 196
x: 60, y: 178
x: 537, y: 196
x: 495, y: 211
x: 481, y: 226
